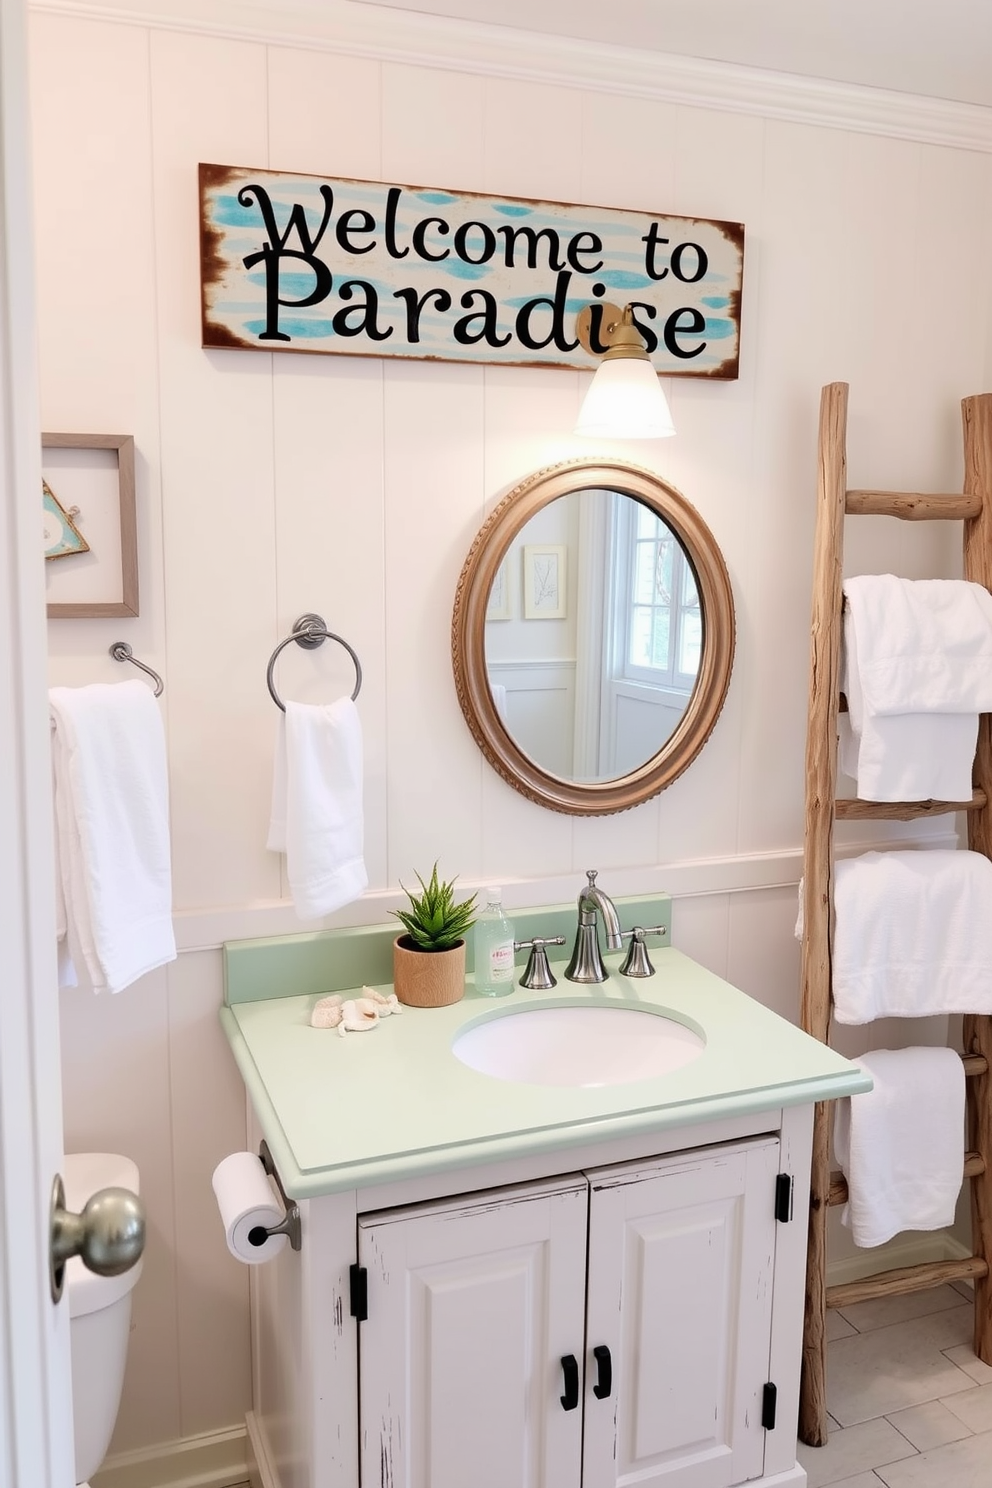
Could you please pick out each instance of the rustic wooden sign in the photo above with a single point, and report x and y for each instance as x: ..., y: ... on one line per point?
x: 363, y: 268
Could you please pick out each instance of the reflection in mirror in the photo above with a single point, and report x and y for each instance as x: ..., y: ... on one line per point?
x: 592, y: 665
x: 592, y: 636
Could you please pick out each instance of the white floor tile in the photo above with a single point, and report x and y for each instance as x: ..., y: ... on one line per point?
x: 863, y: 1480
x: 964, y: 1357
x: 974, y: 1408
x: 929, y: 1425
x: 852, y: 1451
x: 960, y: 1464
x: 837, y: 1326
x: 893, y: 1368
x: 881, y: 1312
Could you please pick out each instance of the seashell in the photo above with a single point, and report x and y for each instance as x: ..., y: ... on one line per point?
x: 386, y: 1005
x: 326, y: 1013
x: 358, y: 1016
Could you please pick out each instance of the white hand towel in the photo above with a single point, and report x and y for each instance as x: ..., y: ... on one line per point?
x: 112, y: 829
x: 317, y: 805
x: 901, y: 1144
x: 916, y: 670
x: 912, y: 935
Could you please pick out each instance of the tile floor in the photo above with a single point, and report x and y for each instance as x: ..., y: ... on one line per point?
x: 910, y: 1405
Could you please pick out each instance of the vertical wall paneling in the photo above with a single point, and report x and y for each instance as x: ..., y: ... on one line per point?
x: 529, y: 150
x: 324, y: 116
x: 432, y: 130
x: 531, y: 131
x: 96, y: 292
x: 433, y: 437
x: 762, y: 948
x: 329, y: 546
x: 802, y: 338
x: 209, y: 102
x: 433, y: 469
x: 208, y: 1122
x: 324, y: 113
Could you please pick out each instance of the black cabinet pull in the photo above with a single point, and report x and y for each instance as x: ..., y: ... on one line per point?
x: 604, y: 1381
x: 570, y: 1374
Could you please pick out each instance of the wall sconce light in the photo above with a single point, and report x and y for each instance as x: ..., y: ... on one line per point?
x: 625, y: 400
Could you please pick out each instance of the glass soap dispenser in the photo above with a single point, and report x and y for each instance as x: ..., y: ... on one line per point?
x: 493, y: 948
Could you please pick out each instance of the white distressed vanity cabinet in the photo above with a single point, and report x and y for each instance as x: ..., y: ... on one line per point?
x: 506, y: 1285
x: 609, y: 1328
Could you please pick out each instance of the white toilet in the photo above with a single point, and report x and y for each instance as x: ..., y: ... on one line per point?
x: 99, y: 1314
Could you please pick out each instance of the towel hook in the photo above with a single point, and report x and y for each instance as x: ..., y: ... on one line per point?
x: 310, y: 631
x: 121, y: 651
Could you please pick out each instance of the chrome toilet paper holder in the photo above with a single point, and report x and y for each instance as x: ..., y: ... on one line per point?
x: 291, y: 1224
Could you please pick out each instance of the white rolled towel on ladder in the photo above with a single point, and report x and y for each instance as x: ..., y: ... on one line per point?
x: 912, y: 935
x: 901, y: 1144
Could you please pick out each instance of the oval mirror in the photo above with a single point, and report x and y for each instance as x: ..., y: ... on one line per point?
x: 592, y: 636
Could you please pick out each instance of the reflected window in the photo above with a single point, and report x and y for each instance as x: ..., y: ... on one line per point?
x: 658, y: 614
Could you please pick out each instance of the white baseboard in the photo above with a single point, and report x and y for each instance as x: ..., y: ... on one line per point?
x: 793, y: 1477
x: 940, y: 1246
x: 261, y: 1472
x: 217, y: 1459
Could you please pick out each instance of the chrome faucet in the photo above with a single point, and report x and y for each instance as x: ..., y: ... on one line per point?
x: 586, y: 964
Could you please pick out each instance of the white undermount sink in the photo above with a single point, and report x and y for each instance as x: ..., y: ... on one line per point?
x: 577, y: 1046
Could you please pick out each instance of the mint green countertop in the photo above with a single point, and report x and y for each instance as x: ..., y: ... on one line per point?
x: 395, y: 1103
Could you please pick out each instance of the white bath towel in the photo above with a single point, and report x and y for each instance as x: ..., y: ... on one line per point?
x: 112, y: 833
x: 912, y: 935
x: 317, y: 818
x: 916, y: 670
x: 901, y: 1144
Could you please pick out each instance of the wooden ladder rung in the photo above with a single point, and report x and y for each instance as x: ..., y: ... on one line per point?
x: 855, y: 810
x: 913, y: 506
x: 907, y: 1279
x: 974, y: 1163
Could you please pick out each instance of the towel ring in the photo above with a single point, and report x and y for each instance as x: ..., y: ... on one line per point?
x: 310, y: 631
x: 121, y: 651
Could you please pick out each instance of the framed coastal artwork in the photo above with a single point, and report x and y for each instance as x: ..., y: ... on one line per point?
x: 89, y: 526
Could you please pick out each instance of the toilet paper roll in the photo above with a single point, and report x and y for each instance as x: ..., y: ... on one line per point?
x: 247, y: 1205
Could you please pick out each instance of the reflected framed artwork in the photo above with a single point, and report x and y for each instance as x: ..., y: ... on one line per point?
x: 89, y: 524
x: 544, y: 581
x: 500, y: 606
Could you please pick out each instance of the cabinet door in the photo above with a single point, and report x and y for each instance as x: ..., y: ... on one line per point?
x: 680, y: 1287
x: 471, y: 1306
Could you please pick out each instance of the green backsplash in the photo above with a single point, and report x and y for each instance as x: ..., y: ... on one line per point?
x: 324, y: 961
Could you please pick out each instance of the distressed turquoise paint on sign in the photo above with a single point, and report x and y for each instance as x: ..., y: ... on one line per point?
x: 364, y: 268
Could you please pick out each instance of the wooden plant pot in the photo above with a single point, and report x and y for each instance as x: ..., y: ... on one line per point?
x: 428, y: 978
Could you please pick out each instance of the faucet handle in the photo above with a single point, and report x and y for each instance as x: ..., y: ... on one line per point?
x: 538, y: 977
x: 637, y: 963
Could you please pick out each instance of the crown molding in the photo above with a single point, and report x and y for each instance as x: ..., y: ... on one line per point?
x: 499, y: 51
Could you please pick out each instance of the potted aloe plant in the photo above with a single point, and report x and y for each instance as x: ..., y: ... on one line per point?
x: 429, y: 959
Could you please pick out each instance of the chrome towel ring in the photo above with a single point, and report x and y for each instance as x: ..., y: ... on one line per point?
x: 310, y: 631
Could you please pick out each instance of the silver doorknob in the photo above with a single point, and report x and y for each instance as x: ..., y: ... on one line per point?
x: 109, y: 1235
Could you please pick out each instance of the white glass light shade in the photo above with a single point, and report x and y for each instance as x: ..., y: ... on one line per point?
x: 625, y: 401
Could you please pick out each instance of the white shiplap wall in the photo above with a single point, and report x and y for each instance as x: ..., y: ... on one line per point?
x: 271, y: 485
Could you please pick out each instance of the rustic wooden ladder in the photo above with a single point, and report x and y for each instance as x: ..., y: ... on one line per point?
x: 974, y: 508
